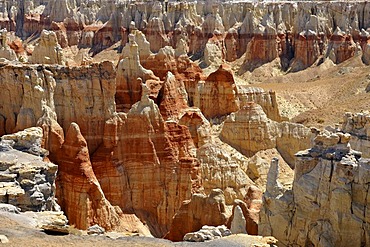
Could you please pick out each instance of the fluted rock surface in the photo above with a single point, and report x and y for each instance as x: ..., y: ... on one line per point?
x: 151, y: 159
x: 79, y: 193
x: 219, y: 96
x: 297, y: 33
x: 130, y: 74
x: 328, y: 201
x: 216, y: 96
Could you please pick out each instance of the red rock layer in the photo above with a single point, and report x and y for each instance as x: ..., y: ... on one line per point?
x: 152, y: 167
x: 78, y: 191
x: 217, y: 98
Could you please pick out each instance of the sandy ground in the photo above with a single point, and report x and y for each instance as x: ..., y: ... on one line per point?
x: 19, y: 230
x: 320, y: 95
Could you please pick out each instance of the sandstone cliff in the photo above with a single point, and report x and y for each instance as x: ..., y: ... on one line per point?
x: 327, y: 204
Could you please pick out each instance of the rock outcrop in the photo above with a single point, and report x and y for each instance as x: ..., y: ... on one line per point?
x: 199, y: 211
x: 47, y: 51
x: 130, y: 74
x: 5, y: 51
x: 26, y: 180
x: 207, y: 233
x: 249, y: 130
x: 216, y: 97
x: 151, y: 159
x: 79, y: 193
x: 327, y: 204
x: 219, y: 96
x: 299, y: 34
x: 358, y: 125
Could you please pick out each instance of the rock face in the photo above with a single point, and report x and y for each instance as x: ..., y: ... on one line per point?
x: 358, y: 125
x: 219, y: 96
x: 245, y: 217
x: 26, y: 181
x: 191, y: 216
x: 249, y: 131
x: 5, y: 51
x: 327, y: 203
x: 155, y: 160
x: 77, y: 185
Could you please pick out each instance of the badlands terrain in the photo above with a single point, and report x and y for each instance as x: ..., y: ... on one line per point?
x: 184, y: 123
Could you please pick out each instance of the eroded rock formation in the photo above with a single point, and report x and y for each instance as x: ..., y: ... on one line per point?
x: 358, y: 125
x: 327, y: 204
x: 26, y: 180
x: 47, y: 51
x: 191, y: 216
x: 249, y: 130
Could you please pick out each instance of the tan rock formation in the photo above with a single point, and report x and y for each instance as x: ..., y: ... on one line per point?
x: 128, y: 71
x: 245, y: 217
x: 221, y: 168
x: 5, y: 51
x: 326, y: 205
x: 192, y: 216
x: 358, y: 125
x: 47, y: 51
x: 231, y: 45
x: 26, y: 181
x: 214, y: 51
x: 174, y: 98
x: 341, y: 46
x: 219, y: 96
x: 249, y: 131
x: 197, y: 124
x: 307, y: 50
x: 151, y: 159
x: 267, y: 100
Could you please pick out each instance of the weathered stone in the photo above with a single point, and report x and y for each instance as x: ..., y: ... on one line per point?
x: 207, y: 233
x: 191, y: 218
x: 47, y: 51
x: 321, y: 185
x: 95, y: 229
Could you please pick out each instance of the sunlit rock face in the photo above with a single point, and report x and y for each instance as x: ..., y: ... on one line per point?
x: 326, y: 205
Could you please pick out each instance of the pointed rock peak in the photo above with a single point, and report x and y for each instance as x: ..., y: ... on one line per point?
x: 338, y: 32
x: 273, y: 186
x: 364, y: 33
x: 145, y: 91
x: 132, y: 26
x: 132, y: 39
x: 74, y: 136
